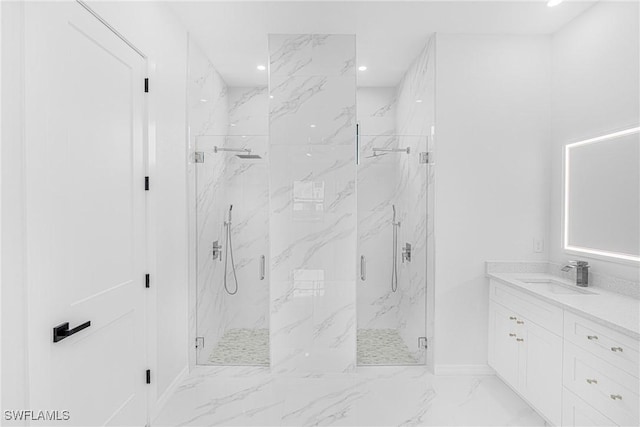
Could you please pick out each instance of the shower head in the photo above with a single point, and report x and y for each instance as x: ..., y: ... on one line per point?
x: 375, y: 154
x: 248, y: 156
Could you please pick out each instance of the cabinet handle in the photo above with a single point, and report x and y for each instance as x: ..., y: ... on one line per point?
x: 592, y: 381
x: 592, y: 337
x: 363, y: 268
x: 512, y: 335
x: 616, y: 349
x: 520, y: 322
x: 262, y: 267
x: 520, y: 339
x: 512, y: 318
x: 615, y: 397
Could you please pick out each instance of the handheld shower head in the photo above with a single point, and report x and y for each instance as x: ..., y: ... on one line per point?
x: 230, y: 207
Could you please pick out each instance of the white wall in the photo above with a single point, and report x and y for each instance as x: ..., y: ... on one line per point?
x: 491, y: 155
x: 155, y: 31
x: 595, y: 90
x: 13, y: 310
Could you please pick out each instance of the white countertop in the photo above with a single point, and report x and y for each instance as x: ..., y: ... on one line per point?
x: 616, y: 311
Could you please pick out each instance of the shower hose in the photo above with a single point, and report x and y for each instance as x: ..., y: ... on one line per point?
x: 228, y: 253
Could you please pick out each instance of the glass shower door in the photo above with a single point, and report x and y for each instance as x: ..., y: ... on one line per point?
x: 232, y: 249
x: 392, y: 250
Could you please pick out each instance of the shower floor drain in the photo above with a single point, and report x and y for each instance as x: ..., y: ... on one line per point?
x: 242, y: 347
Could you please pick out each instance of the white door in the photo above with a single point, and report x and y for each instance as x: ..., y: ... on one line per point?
x: 85, y: 214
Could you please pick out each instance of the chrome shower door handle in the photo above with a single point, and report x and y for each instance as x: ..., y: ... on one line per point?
x: 363, y: 268
x: 262, y: 267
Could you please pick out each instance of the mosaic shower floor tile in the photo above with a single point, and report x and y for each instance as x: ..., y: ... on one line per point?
x: 242, y: 347
x: 383, y: 347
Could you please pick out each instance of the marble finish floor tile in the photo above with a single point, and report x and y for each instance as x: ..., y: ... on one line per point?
x: 372, y: 396
x: 383, y: 347
x: 242, y: 347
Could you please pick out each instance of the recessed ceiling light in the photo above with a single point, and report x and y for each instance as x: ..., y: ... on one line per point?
x: 362, y: 68
x: 418, y: 100
x: 312, y: 126
x: 261, y: 67
x: 552, y: 3
x: 271, y: 96
x: 203, y: 100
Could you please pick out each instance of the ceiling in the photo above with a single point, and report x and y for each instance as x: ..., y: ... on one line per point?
x: 389, y: 34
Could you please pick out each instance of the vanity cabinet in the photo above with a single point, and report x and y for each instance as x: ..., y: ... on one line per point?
x: 524, y: 354
x: 572, y: 370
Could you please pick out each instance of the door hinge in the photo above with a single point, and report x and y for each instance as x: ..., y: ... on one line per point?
x: 148, y: 376
x: 146, y: 85
x: 198, y: 157
x: 425, y: 158
x: 422, y: 342
x: 199, y: 342
x: 147, y: 280
x: 146, y: 183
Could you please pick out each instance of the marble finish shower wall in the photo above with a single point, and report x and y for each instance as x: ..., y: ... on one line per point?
x: 415, y: 121
x: 246, y: 187
x: 249, y: 111
x: 208, y: 115
x: 313, y: 202
x: 378, y: 182
x: 224, y: 180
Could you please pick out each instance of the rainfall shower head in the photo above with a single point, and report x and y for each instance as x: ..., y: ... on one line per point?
x: 246, y: 152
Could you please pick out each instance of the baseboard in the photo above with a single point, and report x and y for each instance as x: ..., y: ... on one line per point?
x: 463, y: 370
x: 162, y: 400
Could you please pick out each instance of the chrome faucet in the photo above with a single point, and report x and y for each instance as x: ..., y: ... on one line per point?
x: 582, y: 272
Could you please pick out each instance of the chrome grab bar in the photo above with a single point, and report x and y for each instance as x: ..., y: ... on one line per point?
x: 363, y: 268
x: 262, y: 267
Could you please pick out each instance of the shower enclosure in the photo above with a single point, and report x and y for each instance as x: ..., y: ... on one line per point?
x: 313, y: 212
x: 232, y: 229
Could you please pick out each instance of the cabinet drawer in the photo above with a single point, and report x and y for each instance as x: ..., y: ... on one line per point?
x: 533, y: 309
x: 578, y: 413
x: 608, y: 389
x: 618, y: 349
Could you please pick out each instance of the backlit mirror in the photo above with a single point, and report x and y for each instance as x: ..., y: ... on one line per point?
x: 602, y: 196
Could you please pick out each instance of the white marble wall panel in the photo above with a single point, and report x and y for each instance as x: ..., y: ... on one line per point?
x: 313, y: 202
x: 312, y: 110
x: 377, y: 110
x: 248, y: 111
x: 377, y: 189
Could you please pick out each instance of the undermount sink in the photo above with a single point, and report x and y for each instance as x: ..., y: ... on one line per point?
x: 556, y: 287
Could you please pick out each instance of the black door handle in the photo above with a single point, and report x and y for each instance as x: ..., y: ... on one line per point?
x: 62, y: 331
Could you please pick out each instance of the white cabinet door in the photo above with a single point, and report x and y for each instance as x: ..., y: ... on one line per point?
x: 85, y: 217
x: 578, y: 413
x: 540, y: 361
x: 503, y: 351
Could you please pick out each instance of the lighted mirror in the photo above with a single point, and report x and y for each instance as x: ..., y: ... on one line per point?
x: 602, y: 196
